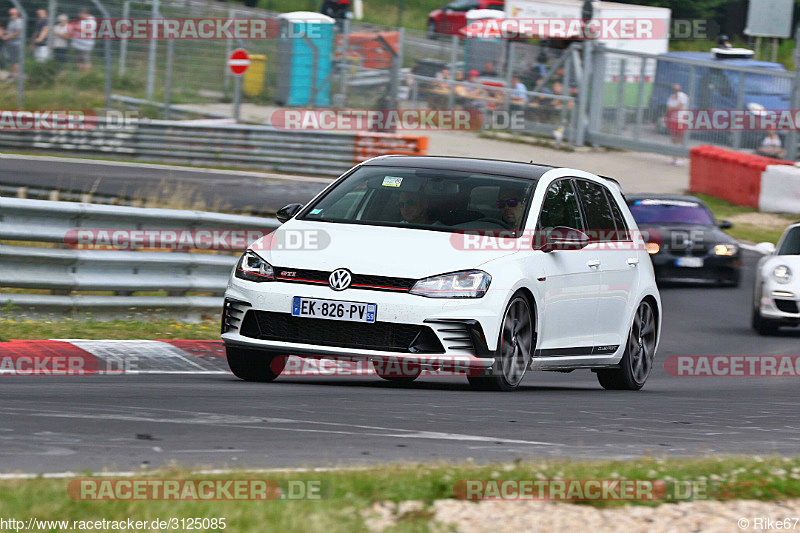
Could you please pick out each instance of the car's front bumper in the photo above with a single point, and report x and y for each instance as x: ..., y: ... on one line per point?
x: 715, y: 268
x: 779, y: 303
x: 466, y: 330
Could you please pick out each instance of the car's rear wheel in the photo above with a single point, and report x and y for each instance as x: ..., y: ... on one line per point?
x: 251, y: 365
x: 763, y: 326
x: 640, y: 350
x: 515, y: 349
x: 399, y: 373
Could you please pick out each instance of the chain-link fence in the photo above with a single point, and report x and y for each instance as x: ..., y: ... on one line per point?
x: 616, y: 99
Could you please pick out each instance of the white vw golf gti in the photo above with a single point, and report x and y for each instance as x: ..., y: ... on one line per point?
x: 499, y: 266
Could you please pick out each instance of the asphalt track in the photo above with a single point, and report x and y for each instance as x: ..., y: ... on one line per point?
x: 56, y: 424
x: 245, y: 192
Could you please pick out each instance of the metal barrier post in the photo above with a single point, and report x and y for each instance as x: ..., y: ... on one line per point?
x: 791, y: 137
x: 451, y: 98
x: 637, y: 128
x: 106, y: 52
x: 737, y: 134
x: 23, y: 15
x: 583, y: 93
x: 52, y: 6
x: 168, y: 78
x: 395, y: 72
x: 687, y: 135
x: 345, y: 61
x: 151, y: 58
x: 123, y: 45
x: 620, y: 96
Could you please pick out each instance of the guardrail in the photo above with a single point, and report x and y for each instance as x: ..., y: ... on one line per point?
x: 221, y: 145
x: 65, y: 270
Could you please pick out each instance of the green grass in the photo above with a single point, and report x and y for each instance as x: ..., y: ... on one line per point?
x: 117, y: 329
x: 346, y: 494
x: 384, y: 12
x: 760, y: 232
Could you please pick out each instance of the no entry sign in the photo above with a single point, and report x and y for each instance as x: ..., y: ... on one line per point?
x: 238, y: 61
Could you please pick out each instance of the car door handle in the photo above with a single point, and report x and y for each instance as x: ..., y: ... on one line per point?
x: 633, y: 261
x: 593, y: 263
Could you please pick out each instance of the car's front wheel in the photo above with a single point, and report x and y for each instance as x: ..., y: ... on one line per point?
x: 515, y: 349
x: 251, y: 365
x: 640, y: 350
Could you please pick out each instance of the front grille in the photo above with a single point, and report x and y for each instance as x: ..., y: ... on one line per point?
x: 382, y: 336
x: 787, y: 306
x: 359, y: 281
x: 232, y: 312
x: 694, y: 250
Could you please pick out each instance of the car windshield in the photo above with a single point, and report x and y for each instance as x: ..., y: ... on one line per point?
x: 658, y: 211
x: 442, y: 200
x: 791, y: 243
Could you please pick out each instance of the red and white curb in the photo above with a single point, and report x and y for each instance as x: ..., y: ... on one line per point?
x: 86, y: 357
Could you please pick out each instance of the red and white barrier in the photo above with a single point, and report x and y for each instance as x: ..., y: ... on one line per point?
x: 746, y: 179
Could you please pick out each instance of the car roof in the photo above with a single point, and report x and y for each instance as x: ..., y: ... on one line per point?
x: 514, y: 169
x: 684, y: 197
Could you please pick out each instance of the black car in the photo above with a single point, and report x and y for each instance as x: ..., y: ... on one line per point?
x: 684, y: 240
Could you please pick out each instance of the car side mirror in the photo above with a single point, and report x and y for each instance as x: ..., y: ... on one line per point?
x: 288, y: 211
x: 766, y: 248
x: 724, y: 224
x: 563, y: 238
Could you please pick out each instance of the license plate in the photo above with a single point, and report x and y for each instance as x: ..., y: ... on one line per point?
x: 690, y: 262
x: 334, y: 309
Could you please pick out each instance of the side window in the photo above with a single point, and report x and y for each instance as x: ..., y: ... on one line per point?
x: 623, y: 234
x: 599, y: 220
x: 560, y: 207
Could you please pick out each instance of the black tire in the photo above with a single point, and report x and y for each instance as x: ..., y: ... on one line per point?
x: 251, y: 365
x: 431, y: 30
x: 763, y: 326
x: 733, y: 280
x: 403, y: 378
x: 508, y: 370
x: 639, y: 356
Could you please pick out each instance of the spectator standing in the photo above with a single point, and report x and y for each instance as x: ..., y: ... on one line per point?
x: 520, y: 93
x: 677, y: 101
x: 13, y: 42
x: 39, y: 40
x: 61, y: 39
x: 772, y: 146
x: 83, y: 42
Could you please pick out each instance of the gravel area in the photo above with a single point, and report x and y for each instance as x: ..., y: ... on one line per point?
x: 538, y: 516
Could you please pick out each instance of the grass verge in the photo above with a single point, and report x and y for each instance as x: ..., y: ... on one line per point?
x: 749, y: 224
x: 114, y: 330
x: 346, y: 495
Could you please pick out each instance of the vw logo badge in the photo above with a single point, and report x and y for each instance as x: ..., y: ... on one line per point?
x: 340, y: 279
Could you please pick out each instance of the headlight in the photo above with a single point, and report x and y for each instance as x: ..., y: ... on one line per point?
x: 252, y: 268
x: 782, y: 274
x: 653, y: 248
x: 467, y: 284
x: 726, y: 249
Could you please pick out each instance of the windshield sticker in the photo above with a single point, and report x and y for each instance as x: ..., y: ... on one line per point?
x: 315, y: 211
x: 392, y: 181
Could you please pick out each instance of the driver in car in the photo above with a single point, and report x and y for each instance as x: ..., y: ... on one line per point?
x: 511, y: 202
x: 414, y: 208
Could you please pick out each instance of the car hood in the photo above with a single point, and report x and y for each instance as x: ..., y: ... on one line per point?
x: 373, y: 250
x: 675, y: 233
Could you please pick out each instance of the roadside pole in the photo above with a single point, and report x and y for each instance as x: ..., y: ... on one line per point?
x: 151, y: 57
